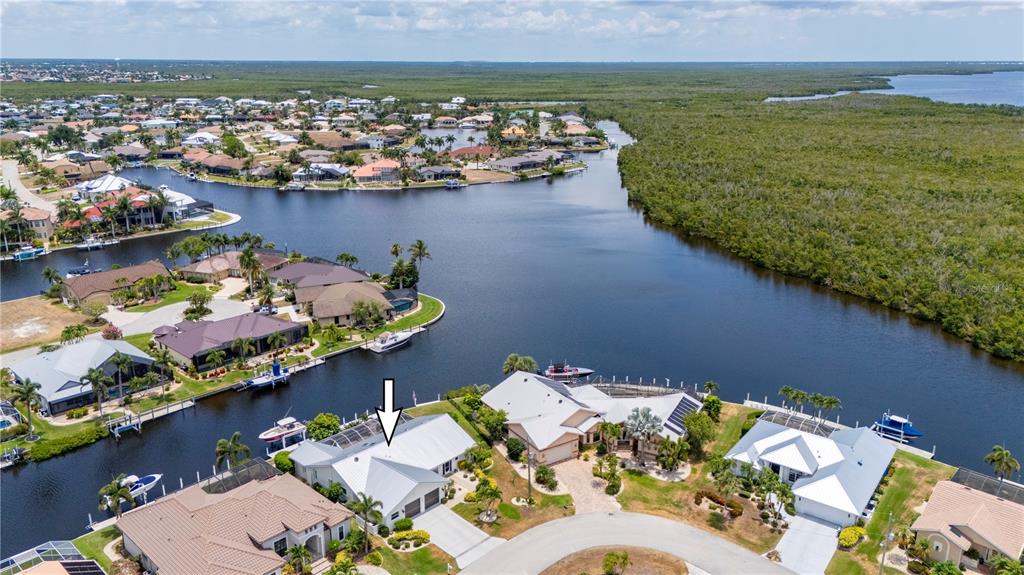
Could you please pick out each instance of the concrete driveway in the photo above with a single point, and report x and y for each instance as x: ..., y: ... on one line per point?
x: 455, y: 536
x: 587, y: 491
x: 132, y: 323
x: 808, y: 545
x: 13, y: 180
x: 533, y: 551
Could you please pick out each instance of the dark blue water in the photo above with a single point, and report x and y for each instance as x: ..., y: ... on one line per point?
x: 994, y: 88
x: 561, y: 270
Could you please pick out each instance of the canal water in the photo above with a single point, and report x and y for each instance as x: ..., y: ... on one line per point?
x: 561, y: 270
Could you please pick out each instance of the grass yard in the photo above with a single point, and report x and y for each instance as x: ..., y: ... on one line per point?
x: 33, y: 321
x: 513, y: 520
x: 430, y: 309
x: 642, y: 493
x: 217, y: 217
x: 642, y: 561
x: 424, y: 561
x: 444, y: 406
x: 91, y: 545
x: 57, y: 439
x: 180, y: 293
x: 140, y: 340
x: 913, y: 481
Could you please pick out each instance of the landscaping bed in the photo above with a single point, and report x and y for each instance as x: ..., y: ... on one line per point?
x: 642, y: 561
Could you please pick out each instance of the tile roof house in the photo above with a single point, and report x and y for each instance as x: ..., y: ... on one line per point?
x: 334, y: 303
x: 244, y: 531
x: 220, y: 266
x: 408, y: 476
x: 556, y: 420
x: 958, y: 518
x: 60, y: 372
x: 39, y: 221
x: 191, y: 342
x: 311, y: 274
x: 100, y: 286
x: 833, y: 478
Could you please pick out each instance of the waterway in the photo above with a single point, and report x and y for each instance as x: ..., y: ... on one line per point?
x: 994, y: 88
x: 558, y: 270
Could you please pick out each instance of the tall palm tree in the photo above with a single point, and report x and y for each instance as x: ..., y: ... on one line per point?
x: 244, y: 347
x: 99, y: 382
x: 818, y: 401
x: 162, y: 358
x: 641, y: 425
x: 710, y: 387
x: 114, y: 494
x: 368, y: 509
x: 346, y: 259
x: 298, y: 556
x: 266, y: 294
x: 786, y: 392
x: 610, y: 433
x: 396, y: 250
x: 418, y: 252
x: 216, y: 358
x: 276, y: 340
x: 1002, y: 461
x: 231, y: 451
x: 124, y: 209
x: 515, y: 362
x: 27, y: 392
x: 831, y: 403
x: 250, y: 266
x: 800, y: 397
x: 123, y: 364
x: 51, y: 275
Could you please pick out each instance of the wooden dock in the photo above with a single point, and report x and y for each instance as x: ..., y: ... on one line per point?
x: 133, y: 422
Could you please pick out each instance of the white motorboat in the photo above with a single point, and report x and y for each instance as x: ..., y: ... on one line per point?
x: 139, y: 486
x: 566, y: 372
x: 388, y: 341
x: 283, y: 429
x: 94, y: 243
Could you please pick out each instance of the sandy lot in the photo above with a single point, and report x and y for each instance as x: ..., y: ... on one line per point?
x: 33, y: 321
x: 642, y: 562
x: 476, y: 176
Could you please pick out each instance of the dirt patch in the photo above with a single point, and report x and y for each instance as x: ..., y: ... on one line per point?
x: 486, y: 176
x: 33, y: 321
x: 642, y: 562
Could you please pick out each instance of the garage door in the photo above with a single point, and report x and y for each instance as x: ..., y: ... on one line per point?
x: 432, y: 498
x: 413, y: 509
x: 560, y: 452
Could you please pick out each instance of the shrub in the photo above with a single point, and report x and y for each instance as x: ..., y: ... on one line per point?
x: 546, y: 477
x: 355, y: 541
x: 735, y: 508
x: 614, y: 486
x: 471, y: 497
x: 713, y: 407
x: 332, y: 491
x: 917, y: 567
x: 790, y: 508
x: 416, y: 537
x: 51, y: 448
x: 717, y: 521
x: 403, y: 524
x: 13, y: 431
x: 77, y: 413
x: 375, y: 559
x: 698, y: 498
x: 383, y: 530
x: 333, y: 547
x: 111, y: 331
x: 323, y: 426
x: 283, y: 462
x: 850, y: 536
x: 602, y: 449
x: 515, y: 448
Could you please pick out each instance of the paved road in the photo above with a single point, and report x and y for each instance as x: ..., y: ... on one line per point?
x: 533, y: 551
x: 133, y: 323
x: 12, y: 180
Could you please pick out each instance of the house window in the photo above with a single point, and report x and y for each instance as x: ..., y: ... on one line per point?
x: 394, y: 515
x: 793, y: 476
x: 281, y: 546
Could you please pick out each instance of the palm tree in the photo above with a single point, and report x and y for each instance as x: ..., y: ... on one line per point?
x: 800, y: 397
x: 1002, y: 461
x: 346, y: 259
x: 610, y: 433
x: 27, y: 392
x: 163, y: 358
x: 298, y: 556
x: 51, y: 275
x: 99, y: 382
x: 396, y: 250
x: 515, y: 362
x: 818, y: 401
x: 244, y: 346
x: 231, y: 451
x: 1003, y: 565
x: 786, y: 392
x: 114, y: 494
x: 276, y: 340
x: 710, y: 387
x: 250, y: 266
x: 216, y: 358
x: 266, y: 295
x: 831, y: 403
x: 418, y: 252
x: 123, y: 363
x: 641, y: 425
x: 368, y: 509
x: 672, y: 453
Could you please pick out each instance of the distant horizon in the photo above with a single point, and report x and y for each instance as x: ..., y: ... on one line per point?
x: 983, y: 61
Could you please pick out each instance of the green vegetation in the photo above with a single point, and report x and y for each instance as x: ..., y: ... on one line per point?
x: 448, y: 407
x: 430, y: 309
x: 180, y: 293
x: 423, y: 561
x: 91, y: 545
x: 55, y: 440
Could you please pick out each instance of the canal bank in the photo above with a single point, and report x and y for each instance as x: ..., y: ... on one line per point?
x: 564, y: 270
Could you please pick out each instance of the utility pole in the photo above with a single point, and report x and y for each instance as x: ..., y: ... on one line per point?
x: 885, y: 544
x: 529, y: 475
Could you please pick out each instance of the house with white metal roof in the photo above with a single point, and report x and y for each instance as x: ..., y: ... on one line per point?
x: 556, y: 419
x: 408, y: 475
x: 833, y: 478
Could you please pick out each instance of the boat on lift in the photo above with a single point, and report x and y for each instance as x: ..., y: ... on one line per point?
x: 139, y: 486
x: 283, y: 428
x: 276, y: 375
x: 896, y: 428
x: 82, y: 270
x: 29, y: 253
x: 94, y: 243
x: 455, y: 184
x: 565, y: 372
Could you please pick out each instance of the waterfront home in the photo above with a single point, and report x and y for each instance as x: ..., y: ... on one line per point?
x: 182, y: 206
x: 318, y: 171
x: 379, y: 141
x: 132, y: 152
x: 344, y: 120
x: 141, y: 212
x: 37, y: 220
x: 403, y: 299
x: 192, y: 342
x: 334, y: 303
x: 220, y: 266
x: 59, y: 373
x: 222, y: 164
x: 175, y: 153
x: 556, y: 419
x: 101, y: 286
x: 575, y: 130
x: 315, y: 156
x: 313, y: 273
x: 445, y: 122
x: 200, y: 139
x: 437, y: 173
x: 331, y: 140
x: 221, y: 528
x: 379, y: 171
x: 66, y: 169
x: 957, y: 519
x: 408, y: 477
x: 101, y: 186
x: 393, y: 130
x: 473, y: 152
x: 833, y: 477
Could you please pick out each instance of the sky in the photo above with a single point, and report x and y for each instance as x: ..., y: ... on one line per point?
x: 515, y: 30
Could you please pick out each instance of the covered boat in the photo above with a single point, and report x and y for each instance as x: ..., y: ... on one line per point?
x: 896, y: 428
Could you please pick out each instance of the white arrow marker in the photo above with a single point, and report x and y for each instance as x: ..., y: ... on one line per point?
x: 387, y: 416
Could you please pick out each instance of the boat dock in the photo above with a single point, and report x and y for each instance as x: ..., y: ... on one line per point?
x: 375, y: 346
x: 133, y: 422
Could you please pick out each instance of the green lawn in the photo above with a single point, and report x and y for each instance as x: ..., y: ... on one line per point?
x: 424, y: 561
x: 180, y: 293
x: 430, y: 308
x: 217, y: 217
x: 57, y: 439
x: 444, y: 406
x: 140, y: 340
x: 91, y: 545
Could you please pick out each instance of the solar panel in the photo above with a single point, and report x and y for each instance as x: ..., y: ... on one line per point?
x: 82, y: 568
x: 361, y: 431
x: 685, y: 406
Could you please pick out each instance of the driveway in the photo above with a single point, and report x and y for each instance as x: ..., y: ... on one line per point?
x: 808, y: 545
x: 533, y: 551
x: 12, y: 180
x: 455, y: 536
x: 587, y: 491
x: 132, y: 323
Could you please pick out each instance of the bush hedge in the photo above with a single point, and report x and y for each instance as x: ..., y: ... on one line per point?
x: 918, y: 568
x: 416, y: 537
x: 51, y: 448
x: 283, y: 462
x: 13, y: 431
x: 403, y: 524
x: 850, y: 536
x: 375, y: 559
